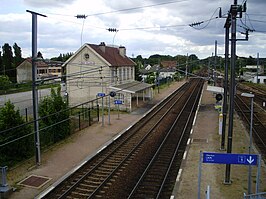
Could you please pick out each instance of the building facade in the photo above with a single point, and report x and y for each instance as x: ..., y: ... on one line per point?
x: 45, y: 69
x: 96, y: 70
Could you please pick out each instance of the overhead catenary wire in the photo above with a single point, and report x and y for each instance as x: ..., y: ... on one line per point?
x: 125, y: 9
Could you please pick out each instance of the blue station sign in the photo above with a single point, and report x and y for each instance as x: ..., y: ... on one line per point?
x: 118, y: 102
x: 101, y: 94
x: 229, y: 158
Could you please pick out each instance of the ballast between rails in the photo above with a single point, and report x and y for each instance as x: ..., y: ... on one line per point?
x: 122, y: 152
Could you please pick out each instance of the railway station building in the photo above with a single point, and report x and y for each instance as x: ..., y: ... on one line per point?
x: 94, y: 71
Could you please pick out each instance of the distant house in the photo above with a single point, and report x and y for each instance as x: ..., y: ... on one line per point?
x: 45, y: 69
x: 168, y: 71
x: 254, y: 73
x: 96, y: 70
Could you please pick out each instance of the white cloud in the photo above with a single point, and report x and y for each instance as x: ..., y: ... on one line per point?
x: 61, y: 32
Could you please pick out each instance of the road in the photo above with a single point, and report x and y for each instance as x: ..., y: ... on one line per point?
x: 23, y: 100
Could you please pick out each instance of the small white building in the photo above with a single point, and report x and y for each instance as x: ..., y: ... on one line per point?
x: 250, y: 73
x: 260, y: 79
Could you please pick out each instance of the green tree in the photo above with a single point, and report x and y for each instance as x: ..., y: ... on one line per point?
x: 62, y: 57
x: 137, y: 71
x: 4, y: 82
x: 17, y: 145
x: 39, y: 55
x: 1, y: 64
x: 8, y: 66
x: 54, y: 120
x: 151, y: 78
x: 18, y: 55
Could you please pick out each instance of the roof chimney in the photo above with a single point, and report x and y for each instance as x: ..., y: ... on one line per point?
x: 122, y: 51
x: 102, y: 46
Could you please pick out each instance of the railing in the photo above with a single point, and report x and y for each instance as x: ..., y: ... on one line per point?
x: 261, y: 195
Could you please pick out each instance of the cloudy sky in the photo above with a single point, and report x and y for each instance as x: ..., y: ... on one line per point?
x: 146, y: 27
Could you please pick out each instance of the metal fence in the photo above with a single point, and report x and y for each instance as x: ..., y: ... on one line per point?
x: 261, y: 195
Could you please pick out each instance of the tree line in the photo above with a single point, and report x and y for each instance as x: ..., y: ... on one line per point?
x: 10, y: 58
x: 194, y: 63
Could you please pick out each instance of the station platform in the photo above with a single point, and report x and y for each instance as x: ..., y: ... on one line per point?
x: 66, y: 156
x: 62, y: 159
x: 205, y: 138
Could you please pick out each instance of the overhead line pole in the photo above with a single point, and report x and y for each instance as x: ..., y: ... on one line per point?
x: 215, y: 63
x: 226, y: 65
x: 233, y: 12
x: 34, y: 88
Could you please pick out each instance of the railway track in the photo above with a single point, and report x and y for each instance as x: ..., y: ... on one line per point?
x: 260, y: 95
x: 140, y: 162
x: 259, y: 128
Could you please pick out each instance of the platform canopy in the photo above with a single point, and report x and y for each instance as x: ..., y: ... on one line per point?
x: 215, y: 89
x: 131, y: 87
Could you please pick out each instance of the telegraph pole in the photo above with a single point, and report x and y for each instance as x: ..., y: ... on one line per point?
x: 257, y: 68
x: 34, y: 88
x: 235, y: 12
x: 226, y: 54
x: 233, y: 15
x: 187, y: 67
x: 215, y: 62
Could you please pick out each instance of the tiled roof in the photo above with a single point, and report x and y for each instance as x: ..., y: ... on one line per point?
x: 132, y: 87
x: 112, y: 55
x: 38, y: 63
x: 167, y: 64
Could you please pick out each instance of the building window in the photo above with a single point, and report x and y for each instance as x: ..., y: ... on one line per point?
x: 120, y: 75
x: 124, y: 73
x: 113, y: 75
x: 132, y: 73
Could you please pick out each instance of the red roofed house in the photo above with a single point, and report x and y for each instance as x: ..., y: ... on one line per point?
x: 96, y: 69
x: 45, y: 69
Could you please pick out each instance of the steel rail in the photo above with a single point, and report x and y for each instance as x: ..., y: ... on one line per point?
x: 133, y: 150
x: 131, y: 195
x: 259, y: 133
x: 75, y: 184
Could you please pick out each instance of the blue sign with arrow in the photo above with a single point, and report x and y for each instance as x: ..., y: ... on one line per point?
x: 229, y: 158
x: 118, y: 102
x: 101, y: 94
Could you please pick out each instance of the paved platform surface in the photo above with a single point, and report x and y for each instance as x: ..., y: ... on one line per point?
x: 205, y: 137
x: 67, y: 155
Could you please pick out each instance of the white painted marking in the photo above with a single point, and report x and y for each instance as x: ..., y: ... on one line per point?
x: 76, y: 168
x: 191, y: 131
x: 185, y: 155
x: 101, y: 149
x: 117, y: 137
x: 172, y: 197
x: 128, y: 128
x: 188, y: 141
x: 44, y: 193
x: 179, y: 175
x: 83, y: 163
x: 194, y: 121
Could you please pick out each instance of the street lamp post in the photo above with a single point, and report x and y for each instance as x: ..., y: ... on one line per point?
x: 251, y: 96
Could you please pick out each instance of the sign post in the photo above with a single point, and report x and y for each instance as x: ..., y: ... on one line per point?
x: 117, y: 102
x: 102, y: 96
x: 229, y: 158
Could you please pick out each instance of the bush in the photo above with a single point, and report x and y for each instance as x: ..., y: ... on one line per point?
x: 17, y: 143
x: 54, y: 123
